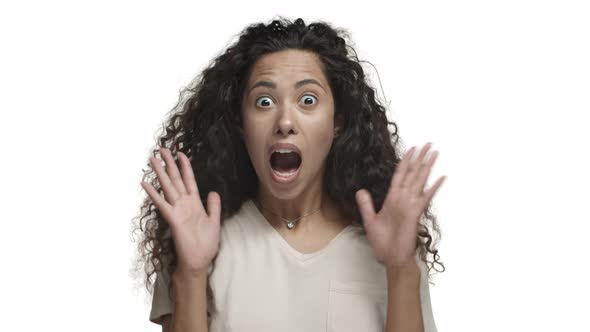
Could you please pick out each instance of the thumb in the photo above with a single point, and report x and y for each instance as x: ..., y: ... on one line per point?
x: 365, y: 204
x: 214, y: 206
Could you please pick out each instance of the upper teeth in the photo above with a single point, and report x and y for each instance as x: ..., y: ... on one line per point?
x: 283, y: 151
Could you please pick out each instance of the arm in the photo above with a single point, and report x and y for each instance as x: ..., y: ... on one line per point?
x: 404, y: 310
x: 167, y: 323
x: 190, y: 307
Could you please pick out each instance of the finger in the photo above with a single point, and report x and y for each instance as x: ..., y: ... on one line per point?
x: 214, y: 206
x: 155, y: 196
x: 424, y: 174
x: 430, y: 193
x: 172, y: 171
x: 416, y: 168
x: 170, y: 192
x: 365, y: 205
x: 400, y: 173
x: 188, y: 175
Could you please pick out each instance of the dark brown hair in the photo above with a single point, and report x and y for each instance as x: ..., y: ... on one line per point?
x: 206, y: 122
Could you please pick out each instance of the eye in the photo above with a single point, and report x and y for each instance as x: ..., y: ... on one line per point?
x: 308, y: 98
x: 266, y: 103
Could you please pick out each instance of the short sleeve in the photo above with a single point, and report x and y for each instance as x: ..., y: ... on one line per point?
x: 427, y: 314
x: 162, y: 303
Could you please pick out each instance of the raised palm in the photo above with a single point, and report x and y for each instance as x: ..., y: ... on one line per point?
x: 393, y: 230
x: 195, y: 232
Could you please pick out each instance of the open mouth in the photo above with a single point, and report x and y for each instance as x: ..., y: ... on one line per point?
x: 285, y: 165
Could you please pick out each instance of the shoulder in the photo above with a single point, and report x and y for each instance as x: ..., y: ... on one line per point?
x: 360, y: 248
x: 236, y: 234
x: 357, y: 260
x: 240, y: 224
x: 358, y: 242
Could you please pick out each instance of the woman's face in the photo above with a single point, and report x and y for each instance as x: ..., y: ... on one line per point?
x: 287, y: 99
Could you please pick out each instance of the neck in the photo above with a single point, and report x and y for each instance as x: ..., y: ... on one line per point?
x: 315, y: 204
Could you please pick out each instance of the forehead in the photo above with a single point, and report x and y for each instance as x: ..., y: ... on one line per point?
x: 289, y: 65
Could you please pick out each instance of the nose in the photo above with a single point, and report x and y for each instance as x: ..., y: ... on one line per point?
x: 286, y: 124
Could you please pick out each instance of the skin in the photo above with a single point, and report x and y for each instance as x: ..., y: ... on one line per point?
x: 303, y: 116
x: 285, y: 117
x: 392, y: 233
x: 393, y: 230
x: 277, y: 114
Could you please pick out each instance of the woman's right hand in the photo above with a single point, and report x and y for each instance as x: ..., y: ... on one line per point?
x: 195, y: 232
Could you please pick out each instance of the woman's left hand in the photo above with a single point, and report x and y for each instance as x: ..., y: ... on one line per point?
x: 393, y: 231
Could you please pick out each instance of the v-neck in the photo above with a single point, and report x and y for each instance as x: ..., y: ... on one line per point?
x: 301, y: 257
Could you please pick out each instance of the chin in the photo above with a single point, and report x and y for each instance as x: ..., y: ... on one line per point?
x: 281, y: 191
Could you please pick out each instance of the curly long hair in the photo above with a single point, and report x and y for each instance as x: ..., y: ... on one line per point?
x: 205, y: 125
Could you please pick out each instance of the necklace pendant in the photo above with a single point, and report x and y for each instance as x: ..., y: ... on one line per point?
x: 290, y: 225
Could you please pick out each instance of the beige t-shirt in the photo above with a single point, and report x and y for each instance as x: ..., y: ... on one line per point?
x: 260, y: 283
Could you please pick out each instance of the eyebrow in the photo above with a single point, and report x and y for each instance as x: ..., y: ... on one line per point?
x: 297, y: 85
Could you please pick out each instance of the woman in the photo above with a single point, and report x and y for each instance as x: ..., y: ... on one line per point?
x: 312, y: 220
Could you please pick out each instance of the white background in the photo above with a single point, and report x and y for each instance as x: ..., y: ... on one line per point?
x: 502, y: 89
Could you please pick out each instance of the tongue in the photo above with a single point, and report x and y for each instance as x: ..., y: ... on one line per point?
x: 285, y: 162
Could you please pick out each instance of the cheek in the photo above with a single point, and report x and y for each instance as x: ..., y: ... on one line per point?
x: 249, y: 131
x: 323, y: 138
x: 326, y: 131
x: 251, y: 141
x: 254, y: 141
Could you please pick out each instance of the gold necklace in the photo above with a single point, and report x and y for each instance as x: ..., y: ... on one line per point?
x: 290, y: 223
